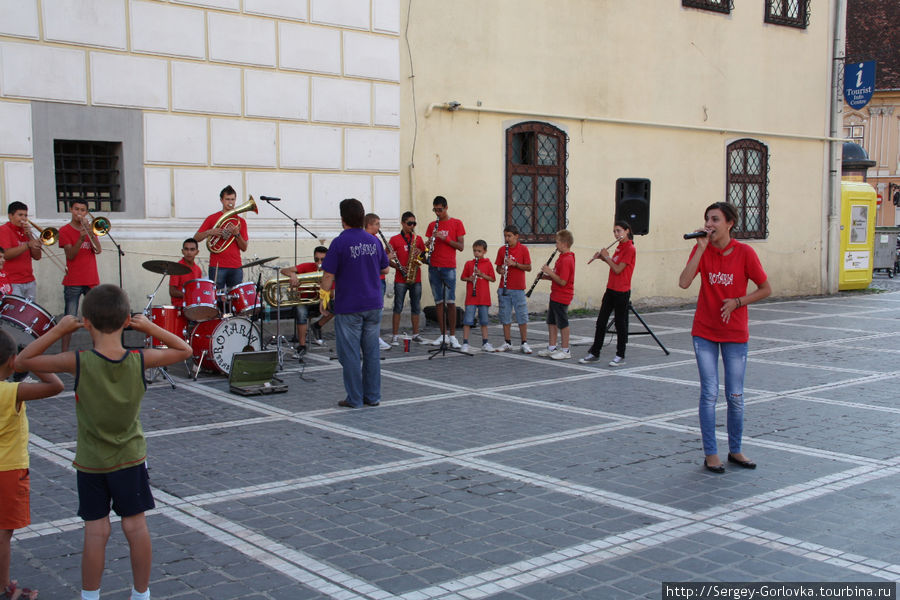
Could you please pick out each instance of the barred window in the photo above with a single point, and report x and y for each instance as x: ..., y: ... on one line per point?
x: 793, y: 13
x: 89, y: 171
x: 747, y: 181
x: 722, y: 6
x: 536, y: 180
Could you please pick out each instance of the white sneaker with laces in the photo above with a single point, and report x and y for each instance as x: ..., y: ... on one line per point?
x: 466, y: 348
x: 395, y: 340
x: 319, y: 342
x: 504, y: 348
x: 440, y: 340
x: 589, y: 359
x: 617, y: 361
x: 486, y: 347
x: 548, y: 352
x: 525, y: 348
x: 454, y: 343
x: 383, y: 344
x: 561, y: 355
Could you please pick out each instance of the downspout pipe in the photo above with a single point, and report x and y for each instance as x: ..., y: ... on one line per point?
x: 832, y: 199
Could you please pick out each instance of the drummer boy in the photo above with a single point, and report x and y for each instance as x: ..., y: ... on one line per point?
x: 189, y: 251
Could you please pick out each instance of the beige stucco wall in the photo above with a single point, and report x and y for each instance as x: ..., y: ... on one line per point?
x: 643, y: 60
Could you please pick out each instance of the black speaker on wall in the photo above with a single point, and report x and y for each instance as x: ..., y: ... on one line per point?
x: 633, y: 203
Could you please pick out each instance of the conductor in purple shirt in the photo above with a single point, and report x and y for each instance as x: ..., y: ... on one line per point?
x: 353, y: 267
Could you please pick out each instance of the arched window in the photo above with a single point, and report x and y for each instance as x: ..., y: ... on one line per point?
x: 536, y: 180
x: 747, y: 170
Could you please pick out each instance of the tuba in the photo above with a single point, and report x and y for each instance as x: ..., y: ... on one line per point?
x: 215, y: 243
x: 278, y: 291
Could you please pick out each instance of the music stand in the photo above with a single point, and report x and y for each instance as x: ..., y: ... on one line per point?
x: 445, y: 347
x: 296, y: 225
x: 611, y: 326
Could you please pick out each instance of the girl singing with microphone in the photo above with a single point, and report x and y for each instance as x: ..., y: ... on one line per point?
x: 721, y: 324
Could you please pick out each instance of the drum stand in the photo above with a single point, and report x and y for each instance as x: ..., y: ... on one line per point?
x: 277, y: 339
x: 156, y: 371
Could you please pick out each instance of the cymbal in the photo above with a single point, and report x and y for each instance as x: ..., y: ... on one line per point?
x: 260, y: 261
x: 166, y: 267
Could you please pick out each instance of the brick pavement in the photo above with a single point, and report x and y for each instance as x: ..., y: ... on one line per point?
x: 507, y: 476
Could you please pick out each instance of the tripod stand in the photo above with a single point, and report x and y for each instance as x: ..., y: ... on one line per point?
x: 445, y: 347
x: 611, y: 326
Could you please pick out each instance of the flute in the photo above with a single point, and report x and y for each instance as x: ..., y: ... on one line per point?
x: 607, y: 248
x: 540, y: 274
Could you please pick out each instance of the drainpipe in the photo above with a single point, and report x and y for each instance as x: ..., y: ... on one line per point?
x: 832, y: 199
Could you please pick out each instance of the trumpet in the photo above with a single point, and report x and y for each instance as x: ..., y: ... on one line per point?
x: 47, y: 236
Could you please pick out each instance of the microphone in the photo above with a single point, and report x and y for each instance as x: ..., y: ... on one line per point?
x: 695, y: 234
x: 270, y: 199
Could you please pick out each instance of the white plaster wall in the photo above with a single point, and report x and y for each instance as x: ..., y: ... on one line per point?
x: 224, y: 4
x: 206, y: 88
x: 278, y: 95
x: 277, y: 8
x: 18, y: 183
x: 386, y: 203
x: 15, y: 122
x: 158, y: 192
x: 371, y: 56
x: 310, y: 146
x: 197, y: 191
x: 292, y: 188
x: 167, y: 29
x: 19, y: 18
x: 246, y: 40
x: 138, y: 82
x: 346, y: 13
x: 371, y: 150
x: 175, y: 139
x: 309, y: 48
x: 341, y: 101
x: 386, y: 16
x: 43, y: 73
x: 329, y: 189
x: 387, y: 104
x: 237, y: 143
x: 90, y: 22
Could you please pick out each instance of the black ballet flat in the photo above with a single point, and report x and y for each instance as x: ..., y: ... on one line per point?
x: 747, y: 464
x: 714, y: 469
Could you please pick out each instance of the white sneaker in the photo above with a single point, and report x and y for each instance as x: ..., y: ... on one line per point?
x: 525, y: 348
x: 589, y: 359
x: 454, y: 343
x: 440, y: 340
x: 504, y: 348
x: 486, y: 347
x: 418, y: 339
x: 321, y: 342
x: 617, y: 361
x: 466, y: 348
x: 395, y: 340
x: 548, y: 352
x: 561, y: 355
x: 383, y: 344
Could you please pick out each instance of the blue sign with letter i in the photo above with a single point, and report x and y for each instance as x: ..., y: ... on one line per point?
x: 859, y: 83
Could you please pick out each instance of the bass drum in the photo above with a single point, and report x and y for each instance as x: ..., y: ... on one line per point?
x: 215, y: 342
x: 23, y: 319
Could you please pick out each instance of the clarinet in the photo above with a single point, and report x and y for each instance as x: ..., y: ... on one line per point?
x: 505, y: 267
x: 475, y: 281
x: 538, y: 278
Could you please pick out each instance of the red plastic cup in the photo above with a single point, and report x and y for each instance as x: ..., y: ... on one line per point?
x: 406, y: 344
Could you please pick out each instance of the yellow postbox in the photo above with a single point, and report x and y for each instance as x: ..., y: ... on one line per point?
x: 858, y: 206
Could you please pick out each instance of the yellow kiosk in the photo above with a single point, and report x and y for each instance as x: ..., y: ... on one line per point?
x: 858, y: 205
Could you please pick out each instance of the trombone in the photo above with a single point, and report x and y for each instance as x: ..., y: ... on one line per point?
x: 48, y: 236
x: 100, y: 226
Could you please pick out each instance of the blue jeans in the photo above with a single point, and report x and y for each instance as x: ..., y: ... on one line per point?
x: 471, y: 309
x: 356, y: 335
x: 443, y: 284
x: 71, y: 295
x: 509, y: 300
x: 226, y: 277
x: 734, y: 359
x: 415, y: 297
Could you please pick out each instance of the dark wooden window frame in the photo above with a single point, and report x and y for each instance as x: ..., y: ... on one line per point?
x: 557, y: 170
x: 801, y: 21
x: 722, y: 6
x: 761, y: 231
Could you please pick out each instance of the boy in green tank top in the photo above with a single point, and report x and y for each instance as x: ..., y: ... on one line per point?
x: 111, y: 449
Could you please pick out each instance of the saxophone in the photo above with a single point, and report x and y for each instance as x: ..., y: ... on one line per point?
x: 416, y: 259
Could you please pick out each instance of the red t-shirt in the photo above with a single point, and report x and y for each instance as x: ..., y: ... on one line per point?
x: 621, y: 282
x: 307, y: 267
x: 401, y: 249
x: 83, y: 269
x: 515, y: 278
x: 179, y: 280
x: 18, y: 269
x: 483, y: 289
x: 724, y: 277
x: 565, y: 268
x: 444, y: 254
x: 230, y: 258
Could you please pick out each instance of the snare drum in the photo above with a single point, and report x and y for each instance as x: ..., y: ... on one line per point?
x: 243, y: 298
x: 215, y: 342
x: 24, y: 319
x: 169, y: 318
x: 200, y: 300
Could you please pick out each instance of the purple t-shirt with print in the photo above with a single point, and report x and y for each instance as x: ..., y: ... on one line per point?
x: 356, y: 259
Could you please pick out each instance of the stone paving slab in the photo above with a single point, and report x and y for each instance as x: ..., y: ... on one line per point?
x: 508, y: 476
